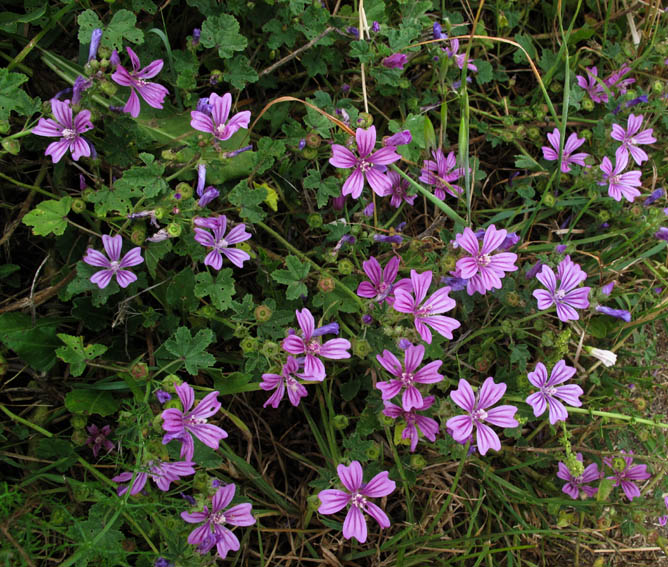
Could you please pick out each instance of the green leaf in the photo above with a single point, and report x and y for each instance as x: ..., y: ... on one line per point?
x: 268, y: 150
x: 239, y: 72
x: 35, y: 344
x: 186, y: 67
x: 88, y: 402
x: 14, y: 98
x: 526, y: 162
x: 88, y: 21
x: 155, y: 252
x: 146, y: 5
x: 148, y: 179
x: 121, y: 28
x: 520, y: 354
x: 293, y: 277
x: 327, y: 188
x: 76, y: 354
x: 192, y: 350
x: 180, y: 293
x: 223, y: 31
x: 485, y: 72
x: 49, y: 217
x: 361, y: 50
x: 280, y: 34
x: 221, y: 290
x: 249, y: 201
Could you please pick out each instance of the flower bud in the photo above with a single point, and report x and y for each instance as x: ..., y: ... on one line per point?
x: 78, y: 205
x: 138, y: 234
x: 326, y: 285
x: 345, y: 267
x: 549, y: 199
x: 340, y: 422
x: 587, y: 104
x: 361, y: 348
x: 216, y: 77
x: 108, y: 87
x: 11, y: 146
x: 174, y: 229
x: 418, y: 462
x: 201, y: 481
x: 262, y: 313
x: 78, y: 421
x: 249, y: 344
x: 139, y: 371
x: 313, y: 140
x: 270, y: 349
x: 314, y: 220
x: 309, y: 153
x: 184, y: 189
x: 87, y: 194
x: 657, y: 87
x: 207, y: 311
x: 169, y: 382
x: 79, y: 437
x: 364, y: 120
x: 159, y: 213
x: 373, y: 451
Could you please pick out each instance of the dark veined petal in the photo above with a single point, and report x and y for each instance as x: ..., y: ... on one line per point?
x: 355, y: 525
x: 351, y: 475
x: 332, y: 501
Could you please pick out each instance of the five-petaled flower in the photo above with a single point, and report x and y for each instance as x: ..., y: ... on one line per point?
x: 631, y: 137
x: 479, y: 410
x: 114, y: 265
x: 213, y: 531
x: 575, y: 484
x: 216, y: 123
x: 407, y: 375
x: 482, y: 269
x: 152, y: 93
x: 550, y: 391
x: 183, y: 424
x: 441, y: 173
x: 624, y: 474
x: 426, y: 425
x: 426, y: 315
x: 97, y: 438
x: 572, y: 144
x: 162, y: 473
x: 68, y: 129
x: 399, y: 193
x: 382, y: 286
x: 620, y: 184
x: 333, y: 500
x: 310, y: 346
x: 369, y: 166
x: 460, y: 58
x: 219, y: 242
x: 594, y: 89
x: 566, y: 295
x: 284, y: 381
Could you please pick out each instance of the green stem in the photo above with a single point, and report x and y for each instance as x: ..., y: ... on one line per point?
x: 23, y: 421
x: 31, y: 187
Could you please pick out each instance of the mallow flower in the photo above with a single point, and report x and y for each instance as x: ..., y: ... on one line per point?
x: 575, y: 484
x: 625, y: 474
x: 66, y: 128
x: 442, y: 173
x: 572, y: 144
x: 114, y: 265
x: 620, y: 184
x: 632, y: 137
x: 382, y: 286
x: 357, y: 495
x: 566, y: 294
x: 284, y: 381
x: 161, y: 473
x: 551, y: 392
x: 217, y: 122
x: 427, y: 426
x: 219, y: 242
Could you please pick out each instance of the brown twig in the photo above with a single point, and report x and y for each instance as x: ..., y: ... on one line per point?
x: 295, y: 53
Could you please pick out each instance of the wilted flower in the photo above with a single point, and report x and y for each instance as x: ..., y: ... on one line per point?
x: 163, y: 397
x: 572, y: 144
x: 66, y: 128
x: 399, y: 190
x: 478, y: 412
x: 399, y: 139
x: 333, y: 500
x: 575, y: 484
x: 284, y: 381
x: 566, y: 295
x: 550, y: 391
x: 654, y: 196
x: 594, y: 89
x: 395, y: 61
x: 162, y: 474
x: 98, y: 439
x: 427, y: 426
x: 216, y: 123
x: 618, y: 313
x: 607, y: 357
x: 607, y: 288
x: 219, y: 242
x: 152, y: 93
x: 460, y: 58
x: 114, y: 265
x: 617, y: 81
x: 624, y: 474
x: 441, y: 173
x: 213, y: 531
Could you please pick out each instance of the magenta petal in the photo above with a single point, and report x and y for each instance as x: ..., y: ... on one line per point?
x: 332, y: 501
x: 490, y: 393
x: 57, y: 150
x: 236, y: 256
x: 379, y: 182
x: 366, y: 140
x: 341, y: 157
x: 463, y: 396
x: 380, y: 485
x: 377, y: 514
x: 200, y: 121
x: 132, y: 106
x: 502, y: 416
x: 125, y: 278
x: 355, y: 525
x: 351, y: 476
x: 336, y: 349
x: 461, y: 427
x: 487, y: 439
x: 240, y: 515
x: 354, y: 184
x: 48, y: 127
x: 102, y: 278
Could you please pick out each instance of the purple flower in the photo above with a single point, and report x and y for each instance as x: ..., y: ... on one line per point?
x: 631, y: 137
x: 197, y: 33
x: 572, y: 144
x: 594, y: 89
x: 80, y: 85
x: 664, y: 519
x: 616, y: 80
x: 662, y: 233
x: 637, y: 100
x: 217, y: 123
x: 403, y: 344
x: 310, y: 346
x: 619, y: 313
x: 482, y: 269
x: 213, y: 531
x: 395, y: 61
x: 333, y: 500
x: 560, y: 248
x: 550, y: 391
x: 219, y: 242
x: 607, y: 288
x: 478, y: 412
x: 455, y: 283
x: 163, y: 397
x: 368, y: 165
x: 407, y: 376
x: 399, y: 190
x: 426, y: 315
x: 152, y: 93
x: 399, y: 139
x: 98, y: 439
x: 624, y: 474
x: 114, y: 59
x: 620, y: 184
x: 114, y: 265
x: 182, y: 425
x: 531, y: 272
x: 654, y: 196
x: 382, y: 286
x: 162, y: 474
x: 437, y: 31
x: 391, y: 238
x: 95, y: 38
x: 375, y: 27
x: 162, y: 562
x: 64, y: 127
x: 427, y: 426
x: 574, y: 484
x: 567, y: 296
x: 460, y: 58
x: 282, y: 382
x: 440, y: 172
x: 205, y: 195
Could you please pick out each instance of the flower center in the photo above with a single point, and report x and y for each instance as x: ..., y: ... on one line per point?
x: 312, y: 347
x: 484, y: 260
x: 218, y: 518
x: 358, y: 500
x: 69, y: 134
x: 221, y: 130
x: 222, y: 243
x: 196, y: 420
x: 99, y: 439
x: 291, y: 383
x: 479, y: 415
x: 559, y: 294
x: 550, y: 390
x: 114, y: 265
x: 141, y: 82
x: 364, y: 165
x: 407, y: 378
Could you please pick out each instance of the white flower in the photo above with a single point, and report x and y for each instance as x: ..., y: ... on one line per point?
x: 607, y: 357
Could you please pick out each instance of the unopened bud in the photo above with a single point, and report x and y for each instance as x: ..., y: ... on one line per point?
x: 78, y: 205
x: 326, y: 285
x: 340, y: 422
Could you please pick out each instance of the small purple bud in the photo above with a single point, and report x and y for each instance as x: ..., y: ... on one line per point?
x: 95, y: 38
x: 345, y: 88
x: 403, y: 344
x: 438, y: 32
x: 399, y: 139
x: 512, y: 176
x: 658, y: 290
x: 201, y: 178
x: 367, y: 319
x: 435, y: 57
x: 115, y: 60
x: 394, y: 239
x: 655, y: 195
x: 605, y: 225
x: 117, y: 109
x: 208, y: 195
x: 338, y: 202
x: 196, y: 35
x: 215, y: 483
x: 352, y: 30
x: 631, y: 386
x: 93, y: 151
x: 235, y: 153
x: 329, y: 329
x: 509, y: 241
x: 189, y: 499
x: 607, y: 288
x: 375, y: 27
x: 401, y: 226
x: 633, y: 102
x: 619, y: 313
x: 665, y: 211
x: 455, y: 283
x: 534, y: 270
x: 162, y: 562
x: 82, y: 182
x: 368, y: 210
x: 204, y: 106
x: 560, y: 248
x: 662, y: 233
x: 302, y: 143
x: 163, y: 396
